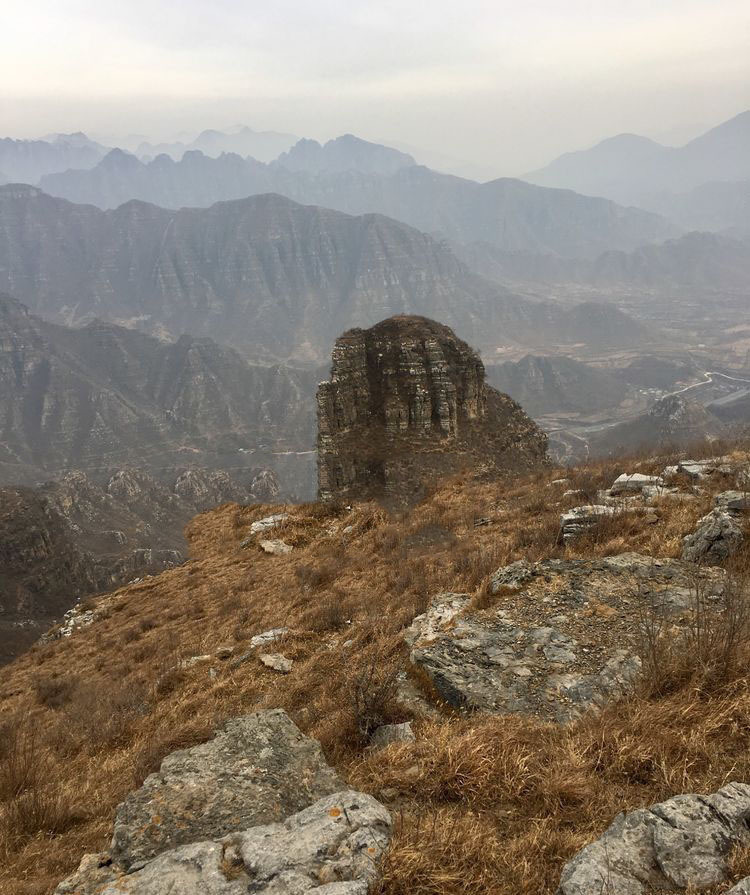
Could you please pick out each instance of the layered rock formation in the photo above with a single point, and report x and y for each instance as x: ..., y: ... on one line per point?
x: 406, y: 401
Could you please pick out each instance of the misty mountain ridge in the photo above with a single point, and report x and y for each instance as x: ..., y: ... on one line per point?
x: 698, y: 260
x: 511, y: 214
x: 262, y: 145
x: 273, y: 278
x: 27, y: 161
x: 638, y: 171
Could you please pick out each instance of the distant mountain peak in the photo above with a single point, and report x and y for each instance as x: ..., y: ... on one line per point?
x: 345, y: 153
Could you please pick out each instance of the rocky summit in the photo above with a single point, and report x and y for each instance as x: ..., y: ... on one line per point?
x: 407, y: 401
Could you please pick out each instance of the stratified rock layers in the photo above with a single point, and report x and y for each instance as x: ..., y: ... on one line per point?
x: 407, y: 400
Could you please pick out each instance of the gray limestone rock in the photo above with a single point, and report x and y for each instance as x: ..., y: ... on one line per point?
x: 277, y: 662
x: 634, y: 483
x: 269, y: 522
x: 330, y: 848
x: 734, y: 501
x: 492, y: 663
x: 577, y: 521
x: 512, y: 577
x: 683, y: 842
x: 257, y: 769
x: 276, y: 547
x: 392, y: 733
x: 717, y: 537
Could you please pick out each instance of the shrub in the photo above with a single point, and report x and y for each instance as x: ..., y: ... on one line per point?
x: 54, y: 692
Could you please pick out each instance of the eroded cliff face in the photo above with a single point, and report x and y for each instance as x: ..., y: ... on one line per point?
x: 407, y: 400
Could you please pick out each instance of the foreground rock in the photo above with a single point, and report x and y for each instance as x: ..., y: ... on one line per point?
x: 330, y: 848
x: 407, y: 402
x: 685, y: 842
x: 256, y: 809
x: 257, y: 769
x: 560, y: 638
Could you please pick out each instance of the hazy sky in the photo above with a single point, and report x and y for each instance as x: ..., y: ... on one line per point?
x: 506, y: 84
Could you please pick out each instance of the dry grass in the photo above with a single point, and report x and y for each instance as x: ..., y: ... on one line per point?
x: 483, y: 804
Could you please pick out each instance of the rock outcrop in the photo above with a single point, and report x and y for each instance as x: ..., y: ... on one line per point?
x: 716, y: 538
x: 683, y: 843
x: 256, y: 809
x: 406, y: 401
x: 560, y: 638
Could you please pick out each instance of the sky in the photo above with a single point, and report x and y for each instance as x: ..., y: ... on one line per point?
x: 504, y: 85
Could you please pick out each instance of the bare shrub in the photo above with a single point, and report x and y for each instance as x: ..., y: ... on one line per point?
x: 54, y: 692
x: 710, y: 648
x: 315, y: 577
x: 372, y: 693
x: 329, y: 614
x: 29, y: 803
x: 103, y: 713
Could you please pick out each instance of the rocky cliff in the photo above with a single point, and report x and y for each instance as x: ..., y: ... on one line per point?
x: 407, y: 400
x: 272, y: 278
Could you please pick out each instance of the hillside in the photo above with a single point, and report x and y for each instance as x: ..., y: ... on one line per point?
x: 703, y: 261
x: 509, y: 214
x: 65, y: 540
x: 102, y: 397
x: 165, y: 660
x: 275, y: 279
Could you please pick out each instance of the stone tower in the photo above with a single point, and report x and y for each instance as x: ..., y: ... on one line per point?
x: 407, y: 401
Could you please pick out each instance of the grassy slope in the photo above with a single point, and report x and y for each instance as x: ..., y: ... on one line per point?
x: 482, y: 804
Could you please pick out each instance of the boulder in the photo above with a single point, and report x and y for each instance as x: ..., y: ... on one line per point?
x: 268, y: 636
x: 330, y: 848
x: 717, y: 537
x: 392, y: 733
x: 511, y: 577
x: 682, y: 843
x: 634, y: 483
x: 579, y: 520
x: 559, y: 638
x: 734, y: 501
x: 276, y: 547
x: 257, y: 769
x: 277, y: 662
x: 268, y: 523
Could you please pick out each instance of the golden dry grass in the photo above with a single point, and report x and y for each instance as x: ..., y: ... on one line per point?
x: 482, y: 804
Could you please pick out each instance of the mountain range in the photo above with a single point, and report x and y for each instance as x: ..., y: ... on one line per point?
x: 262, y: 145
x: 102, y: 397
x: 698, y: 260
x: 26, y: 161
x: 509, y: 214
x: 272, y: 278
x: 637, y: 171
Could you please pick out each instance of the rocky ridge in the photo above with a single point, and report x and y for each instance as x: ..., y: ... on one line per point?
x: 407, y: 401
x: 65, y: 540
